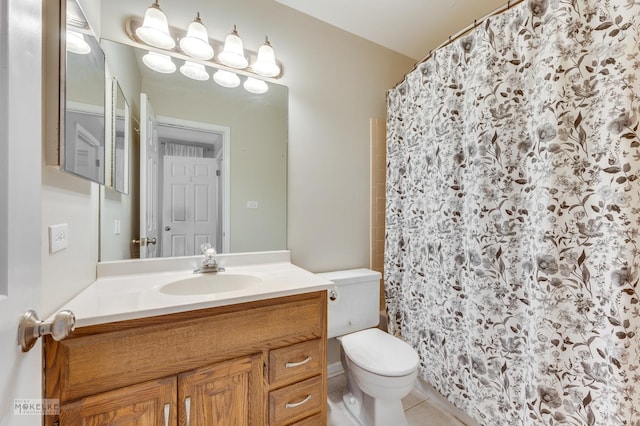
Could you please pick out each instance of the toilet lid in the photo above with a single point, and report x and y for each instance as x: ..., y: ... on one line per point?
x: 380, y: 353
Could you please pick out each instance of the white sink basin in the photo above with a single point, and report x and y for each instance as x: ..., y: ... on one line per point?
x: 220, y: 282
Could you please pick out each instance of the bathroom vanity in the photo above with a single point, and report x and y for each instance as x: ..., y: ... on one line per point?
x: 245, y: 357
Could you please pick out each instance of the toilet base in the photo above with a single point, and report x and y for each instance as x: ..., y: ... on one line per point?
x: 367, y: 411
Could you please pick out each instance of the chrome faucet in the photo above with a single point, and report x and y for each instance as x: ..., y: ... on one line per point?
x: 209, y: 263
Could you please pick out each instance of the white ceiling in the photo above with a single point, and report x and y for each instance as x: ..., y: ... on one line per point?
x: 410, y: 27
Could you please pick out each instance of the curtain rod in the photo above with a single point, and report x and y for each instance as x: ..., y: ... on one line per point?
x: 458, y: 35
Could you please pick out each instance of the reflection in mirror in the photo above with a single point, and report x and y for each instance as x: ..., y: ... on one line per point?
x: 255, y: 127
x: 83, y: 142
x: 120, y: 147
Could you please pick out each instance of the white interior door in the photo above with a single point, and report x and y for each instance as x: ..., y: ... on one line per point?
x: 20, y: 211
x: 190, y: 206
x: 86, y: 154
x: 149, y: 154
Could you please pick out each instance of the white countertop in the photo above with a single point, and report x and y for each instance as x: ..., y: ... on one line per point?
x: 131, y: 289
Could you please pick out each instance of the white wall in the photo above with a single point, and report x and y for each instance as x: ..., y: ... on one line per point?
x: 336, y: 81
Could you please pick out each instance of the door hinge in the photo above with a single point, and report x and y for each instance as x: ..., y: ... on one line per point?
x: 217, y: 172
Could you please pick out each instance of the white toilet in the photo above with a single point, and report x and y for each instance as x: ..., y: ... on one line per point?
x: 380, y: 369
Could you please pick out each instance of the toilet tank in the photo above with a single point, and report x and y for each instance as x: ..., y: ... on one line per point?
x: 357, y: 301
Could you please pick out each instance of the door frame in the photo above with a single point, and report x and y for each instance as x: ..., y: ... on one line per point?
x: 226, y: 166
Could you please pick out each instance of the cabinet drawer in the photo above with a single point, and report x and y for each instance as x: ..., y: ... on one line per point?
x: 295, y: 402
x: 294, y: 363
x: 315, y: 420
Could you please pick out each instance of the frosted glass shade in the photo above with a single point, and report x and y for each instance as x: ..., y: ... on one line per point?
x: 159, y: 62
x: 77, y: 44
x: 194, y: 71
x: 266, y: 64
x: 155, y: 28
x: 254, y: 85
x: 226, y: 79
x: 196, y: 42
x: 233, y: 53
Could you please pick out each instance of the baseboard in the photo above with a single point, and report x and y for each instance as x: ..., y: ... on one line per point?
x: 334, y: 369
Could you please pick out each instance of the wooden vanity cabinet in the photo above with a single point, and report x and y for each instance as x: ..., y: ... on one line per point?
x: 257, y: 363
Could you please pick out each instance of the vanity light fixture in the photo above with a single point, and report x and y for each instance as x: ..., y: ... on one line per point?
x: 254, y: 85
x: 226, y: 78
x: 76, y: 43
x: 159, y: 62
x: 194, y: 71
x: 196, y: 42
x: 155, y: 28
x: 266, y: 64
x: 233, y: 52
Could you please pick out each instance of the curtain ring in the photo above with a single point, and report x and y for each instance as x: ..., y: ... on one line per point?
x: 509, y: 5
x: 475, y: 23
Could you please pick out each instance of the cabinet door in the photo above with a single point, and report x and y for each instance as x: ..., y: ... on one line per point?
x: 147, y: 404
x: 230, y: 393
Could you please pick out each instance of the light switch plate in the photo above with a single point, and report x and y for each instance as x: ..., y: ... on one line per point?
x: 252, y: 204
x: 58, y: 237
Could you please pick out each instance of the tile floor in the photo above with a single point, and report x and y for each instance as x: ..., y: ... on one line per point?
x: 420, y: 410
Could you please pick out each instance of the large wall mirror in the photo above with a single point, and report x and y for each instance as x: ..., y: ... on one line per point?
x: 208, y: 164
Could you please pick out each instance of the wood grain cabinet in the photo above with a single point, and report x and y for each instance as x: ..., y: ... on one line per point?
x: 258, y: 363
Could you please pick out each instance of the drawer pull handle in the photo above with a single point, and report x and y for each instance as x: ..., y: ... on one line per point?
x: 167, y: 410
x: 298, y: 364
x: 187, y: 403
x: 297, y: 404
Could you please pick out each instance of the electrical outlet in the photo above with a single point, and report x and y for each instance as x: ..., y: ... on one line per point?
x: 58, y: 237
x: 252, y: 204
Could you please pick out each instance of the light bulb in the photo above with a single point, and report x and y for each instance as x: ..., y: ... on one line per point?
x: 194, y: 71
x: 76, y: 43
x: 233, y: 53
x: 254, y: 85
x: 196, y: 42
x: 226, y: 79
x: 266, y: 64
x: 155, y: 28
x: 159, y: 62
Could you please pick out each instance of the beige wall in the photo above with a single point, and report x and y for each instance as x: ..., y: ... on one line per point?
x: 336, y: 81
x: 378, y: 205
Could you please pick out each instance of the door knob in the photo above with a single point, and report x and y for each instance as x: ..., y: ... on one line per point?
x: 167, y: 228
x: 143, y: 241
x: 31, y: 328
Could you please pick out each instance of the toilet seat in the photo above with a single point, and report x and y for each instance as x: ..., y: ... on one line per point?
x: 380, y: 353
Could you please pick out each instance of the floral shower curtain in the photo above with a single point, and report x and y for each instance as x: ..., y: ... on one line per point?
x: 513, y: 206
